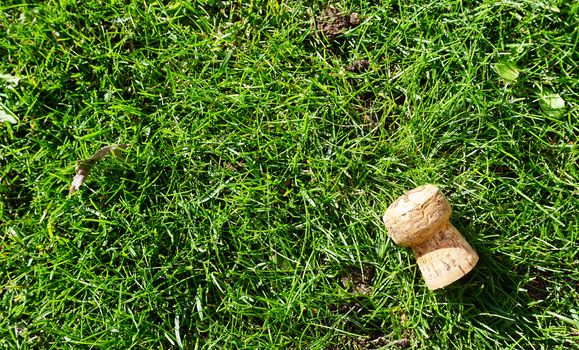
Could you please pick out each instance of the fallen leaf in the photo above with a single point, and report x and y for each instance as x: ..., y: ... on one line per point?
x: 83, y: 166
x: 82, y: 170
x: 115, y: 150
x: 507, y: 70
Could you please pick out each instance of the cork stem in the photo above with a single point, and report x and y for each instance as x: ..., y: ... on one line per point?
x: 445, y: 257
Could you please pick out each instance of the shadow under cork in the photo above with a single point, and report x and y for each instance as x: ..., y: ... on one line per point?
x: 494, y: 297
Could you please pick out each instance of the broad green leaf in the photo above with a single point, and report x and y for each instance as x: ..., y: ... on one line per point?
x: 6, y: 115
x: 507, y: 70
x: 552, y: 104
x: 554, y: 101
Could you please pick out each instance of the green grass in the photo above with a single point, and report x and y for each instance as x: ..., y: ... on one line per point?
x: 248, y: 211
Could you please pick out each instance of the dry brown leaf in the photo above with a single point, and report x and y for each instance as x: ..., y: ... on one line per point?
x: 83, y: 166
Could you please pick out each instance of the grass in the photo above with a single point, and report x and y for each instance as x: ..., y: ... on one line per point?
x: 247, y: 212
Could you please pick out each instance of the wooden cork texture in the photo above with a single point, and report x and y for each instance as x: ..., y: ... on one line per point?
x: 445, y: 257
x: 420, y: 219
x: 411, y: 219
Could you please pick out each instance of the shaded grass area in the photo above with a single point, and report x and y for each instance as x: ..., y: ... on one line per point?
x: 247, y: 213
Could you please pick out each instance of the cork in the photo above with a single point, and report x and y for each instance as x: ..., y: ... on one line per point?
x: 420, y: 219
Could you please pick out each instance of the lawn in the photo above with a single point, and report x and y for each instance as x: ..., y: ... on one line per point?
x: 265, y: 141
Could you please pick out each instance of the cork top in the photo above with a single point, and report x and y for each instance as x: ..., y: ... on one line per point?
x: 416, y: 215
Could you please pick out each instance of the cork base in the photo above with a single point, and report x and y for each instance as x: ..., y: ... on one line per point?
x: 445, y: 257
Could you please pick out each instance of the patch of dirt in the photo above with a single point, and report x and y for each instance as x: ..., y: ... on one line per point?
x: 538, y: 288
x: 359, y: 66
x: 332, y: 22
x: 348, y: 307
x: 403, y: 343
x: 372, y: 342
x: 378, y: 342
x: 359, y: 281
x: 366, y: 101
x: 371, y: 115
x: 400, y: 99
x: 504, y: 171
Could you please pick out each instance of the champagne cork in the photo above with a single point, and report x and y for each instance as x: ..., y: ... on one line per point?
x: 420, y: 219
